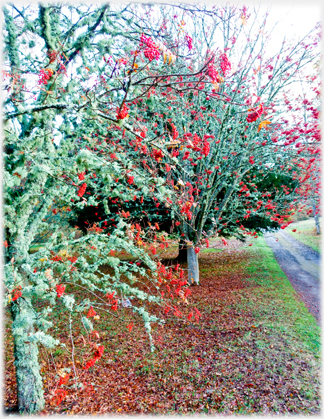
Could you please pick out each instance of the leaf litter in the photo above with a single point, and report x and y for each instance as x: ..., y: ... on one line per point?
x: 229, y: 362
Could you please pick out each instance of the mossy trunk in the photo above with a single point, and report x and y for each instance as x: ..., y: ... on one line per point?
x: 193, y: 266
x: 317, y: 222
x: 30, y: 392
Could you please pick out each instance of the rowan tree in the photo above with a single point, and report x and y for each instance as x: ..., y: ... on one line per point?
x: 305, y: 135
x: 195, y: 144
x: 214, y: 131
x: 48, y: 93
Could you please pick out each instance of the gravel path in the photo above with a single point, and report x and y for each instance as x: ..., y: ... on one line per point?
x: 301, y: 264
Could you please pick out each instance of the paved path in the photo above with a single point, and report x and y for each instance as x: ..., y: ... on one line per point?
x: 301, y: 264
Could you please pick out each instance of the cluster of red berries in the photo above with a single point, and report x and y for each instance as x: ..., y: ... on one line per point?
x: 185, y: 209
x: 82, y: 189
x: 151, y: 51
x: 97, y: 355
x: 175, y: 133
x: 57, y: 258
x: 44, y: 75
x: 225, y: 65
x: 255, y: 115
x: 114, y: 305
x: 123, y: 112
x: 91, y: 312
x: 145, y: 40
x: 157, y: 154
x: 143, y: 132
x: 60, y: 290
x: 186, y: 155
x: 213, y: 73
x: 197, y: 314
x: 206, y: 149
x: 130, y: 326
x: 63, y: 380
x: 189, y: 42
x: 17, y: 293
x: 81, y: 175
x: 60, y: 395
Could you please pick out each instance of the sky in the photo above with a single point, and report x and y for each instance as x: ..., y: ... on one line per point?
x: 295, y: 18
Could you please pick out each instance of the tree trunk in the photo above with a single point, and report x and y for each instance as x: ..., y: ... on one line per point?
x: 30, y: 392
x: 193, y: 267
x: 182, y: 256
x: 316, y: 218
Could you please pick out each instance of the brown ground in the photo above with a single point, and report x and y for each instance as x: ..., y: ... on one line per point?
x: 228, y: 362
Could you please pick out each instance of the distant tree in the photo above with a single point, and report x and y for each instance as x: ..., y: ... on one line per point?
x: 305, y: 134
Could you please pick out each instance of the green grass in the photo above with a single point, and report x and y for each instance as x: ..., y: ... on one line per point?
x: 35, y: 248
x: 211, y: 250
x: 278, y: 305
x: 306, y: 233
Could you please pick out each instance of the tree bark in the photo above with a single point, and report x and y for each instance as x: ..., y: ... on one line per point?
x: 182, y: 256
x: 316, y: 218
x: 29, y: 381
x: 193, y: 266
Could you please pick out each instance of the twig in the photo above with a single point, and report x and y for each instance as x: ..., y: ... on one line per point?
x: 71, y: 336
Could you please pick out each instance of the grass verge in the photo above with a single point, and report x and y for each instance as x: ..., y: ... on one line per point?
x: 282, y: 308
x: 306, y: 233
